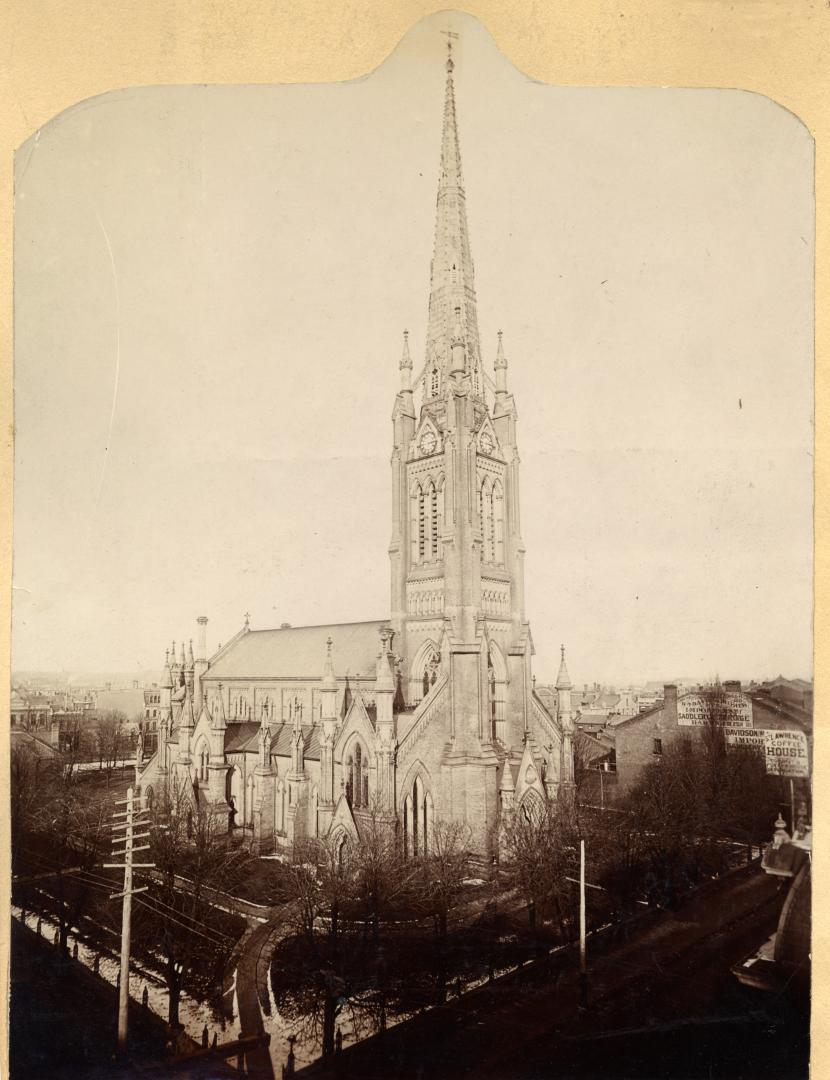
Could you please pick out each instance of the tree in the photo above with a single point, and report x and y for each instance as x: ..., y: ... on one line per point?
x: 178, y: 918
x: 702, y: 791
x: 77, y: 742
x: 382, y: 875
x: 57, y: 826
x: 442, y: 872
x: 540, y: 855
x: 111, y: 738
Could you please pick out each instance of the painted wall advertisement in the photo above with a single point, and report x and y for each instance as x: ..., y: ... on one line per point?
x: 693, y: 710
x: 785, y: 751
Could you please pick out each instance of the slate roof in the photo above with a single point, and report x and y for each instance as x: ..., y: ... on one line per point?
x: 244, y: 736
x: 282, y: 738
x: 618, y: 721
x: 298, y: 652
x: 38, y: 746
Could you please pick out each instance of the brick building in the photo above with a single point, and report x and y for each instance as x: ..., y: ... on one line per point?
x: 640, y: 740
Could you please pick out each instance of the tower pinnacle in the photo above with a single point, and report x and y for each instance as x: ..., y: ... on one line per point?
x: 406, y: 364
x: 563, y: 679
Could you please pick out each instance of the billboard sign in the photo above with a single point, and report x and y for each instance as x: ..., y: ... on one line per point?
x: 786, y: 753
x: 694, y: 710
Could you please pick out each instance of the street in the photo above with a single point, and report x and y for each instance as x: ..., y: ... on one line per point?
x: 663, y: 1005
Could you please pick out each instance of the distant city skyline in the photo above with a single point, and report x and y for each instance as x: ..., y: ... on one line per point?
x: 211, y: 288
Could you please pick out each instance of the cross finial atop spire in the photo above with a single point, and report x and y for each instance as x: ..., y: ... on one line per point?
x: 563, y: 680
x: 500, y: 364
x: 406, y: 359
x: 247, y: 618
x: 451, y: 36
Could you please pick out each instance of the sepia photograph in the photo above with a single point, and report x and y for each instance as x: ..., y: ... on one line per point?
x: 412, y: 620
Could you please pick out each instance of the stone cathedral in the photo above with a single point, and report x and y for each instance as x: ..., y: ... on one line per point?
x: 431, y: 713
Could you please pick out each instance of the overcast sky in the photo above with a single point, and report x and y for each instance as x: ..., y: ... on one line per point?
x: 210, y: 289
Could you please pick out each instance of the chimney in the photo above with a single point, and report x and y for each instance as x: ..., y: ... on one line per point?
x: 667, y: 717
x: 201, y: 638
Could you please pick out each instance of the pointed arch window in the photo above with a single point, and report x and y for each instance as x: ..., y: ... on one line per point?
x: 432, y: 665
x: 357, y: 777
x: 435, y: 381
x: 439, y: 520
x: 496, y: 678
x: 418, y: 817
x: 204, y: 762
x: 498, y: 523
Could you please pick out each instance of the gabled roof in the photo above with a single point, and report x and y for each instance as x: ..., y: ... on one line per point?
x: 618, y: 721
x: 39, y: 747
x: 298, y: 652
x: 282, y: 739
x: 244, y: 736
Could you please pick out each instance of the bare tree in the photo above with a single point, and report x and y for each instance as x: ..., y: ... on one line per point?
x: 180, y: 916
x: 383, y: 876
x: 110, y: 738
x: 58, y: 827
x: 540, y: 857
x: 442, y: 872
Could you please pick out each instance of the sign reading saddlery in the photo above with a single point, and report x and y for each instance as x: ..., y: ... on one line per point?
x: 732, y: 709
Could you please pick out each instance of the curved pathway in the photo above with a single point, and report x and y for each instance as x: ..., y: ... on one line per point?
x: 251, y: 965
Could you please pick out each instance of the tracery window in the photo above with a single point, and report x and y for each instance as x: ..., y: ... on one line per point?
x: 357, y: 777
x: 491, y: 520
x: 204, y: 762
x: 431, y: 668
x: 418, y: 821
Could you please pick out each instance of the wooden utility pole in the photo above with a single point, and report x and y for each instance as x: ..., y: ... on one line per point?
x: 132, y: 819
x: 583, y: 955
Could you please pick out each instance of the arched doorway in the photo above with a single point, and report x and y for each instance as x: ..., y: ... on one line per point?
x: 233, y: 797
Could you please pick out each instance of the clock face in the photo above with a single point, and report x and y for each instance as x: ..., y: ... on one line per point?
x: 428, y: 442
x: 487, y: 442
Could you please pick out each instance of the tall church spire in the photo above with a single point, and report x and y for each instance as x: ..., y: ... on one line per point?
x: 452, y: 283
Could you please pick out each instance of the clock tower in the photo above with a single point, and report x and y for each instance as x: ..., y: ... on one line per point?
x: 457, y: 557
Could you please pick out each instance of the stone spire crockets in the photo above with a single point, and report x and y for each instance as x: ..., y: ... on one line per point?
x: 452, y: 284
